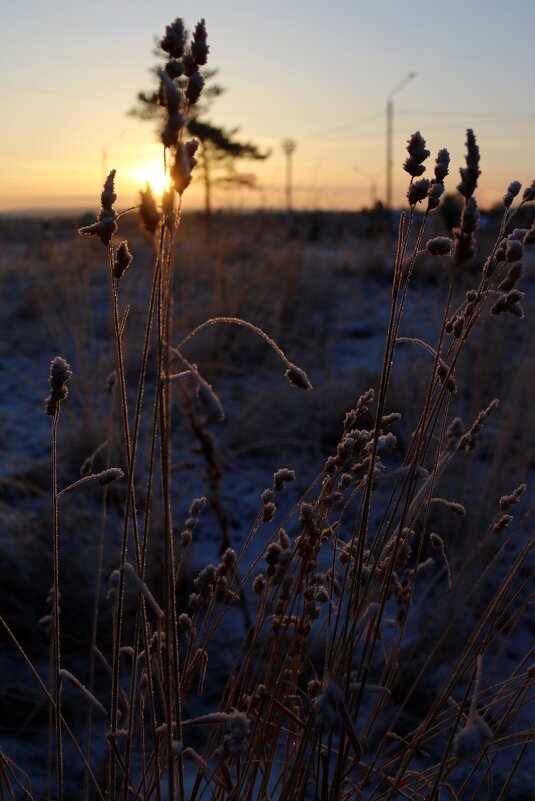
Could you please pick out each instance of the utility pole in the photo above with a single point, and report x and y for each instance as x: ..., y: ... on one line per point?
x: 288, y: 148
x: 390, y: 135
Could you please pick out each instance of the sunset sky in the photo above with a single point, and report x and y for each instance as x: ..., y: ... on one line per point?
x: 319, y: 73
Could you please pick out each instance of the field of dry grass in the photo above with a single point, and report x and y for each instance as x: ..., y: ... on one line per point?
x: 273, y: 537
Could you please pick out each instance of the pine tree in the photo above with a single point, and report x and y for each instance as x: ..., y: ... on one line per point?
x: 220, y: 150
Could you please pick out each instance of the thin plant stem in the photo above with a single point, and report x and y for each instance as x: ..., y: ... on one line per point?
x: 56, y: 609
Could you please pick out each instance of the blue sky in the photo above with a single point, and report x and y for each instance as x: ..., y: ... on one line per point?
x: 317, y: 72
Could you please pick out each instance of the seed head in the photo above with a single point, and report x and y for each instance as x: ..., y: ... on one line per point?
x: 529, y: 193
x: 170, y: 95
x: 175, y: 38
x: 284, y: 539
x: 509, y: 302
x: 283, y: 476
x: 206, y: 580
x: 105, y: 225
x: 237, y: 729
x: 108, y: 196
x: 513, y: 276
x: 513, y: 250
x: 436, y: 190
x: 512, y: 191
x: 442, y: 373
x: 110, y: 475
x: 471, y: 172
x: 417, y: 154
x: 186, y: 538
x: 230, y: 558
x: 148, y: 211
x: 60, y: 372
x: 123, y: 259
x: 184, y: 621
x: 259, y: 583
x: 197, y: 505
x: 171, y: 129
x: 268, y: 511
x: 297, y: 377
x: 183, y: 165
x: 194, y: 602
x: 199, y: 48
x: 418, y: 191
x: 464, y: 235
x: 442, y: 164
x: 190, y: 65
x: 502, y: 523
x: 506, y: 501
x: 194, y: 87
x: 439, y: 246
x: 174, y: 67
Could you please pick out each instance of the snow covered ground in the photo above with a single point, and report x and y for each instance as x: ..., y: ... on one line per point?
x: 326, y: 304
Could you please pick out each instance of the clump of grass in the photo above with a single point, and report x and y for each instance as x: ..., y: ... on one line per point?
x: 320, y: 686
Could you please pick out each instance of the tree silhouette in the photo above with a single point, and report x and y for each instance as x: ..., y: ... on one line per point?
x: 220, y: 150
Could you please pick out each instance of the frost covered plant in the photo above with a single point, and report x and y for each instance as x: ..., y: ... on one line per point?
x: 123, y: 259
x: 106, y: 222
x: 418, y: 153
x: 60, y: 372
x: 329, y: 687
x: 439, y: 246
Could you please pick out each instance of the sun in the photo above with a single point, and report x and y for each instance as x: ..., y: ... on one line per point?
x: 152, y: 172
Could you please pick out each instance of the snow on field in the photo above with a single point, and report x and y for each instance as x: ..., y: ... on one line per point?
x: 327, y: 305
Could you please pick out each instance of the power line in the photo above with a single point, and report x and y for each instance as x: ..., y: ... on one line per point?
x: 345, y: 127
x: 445, y: 113
x: 57, y: 93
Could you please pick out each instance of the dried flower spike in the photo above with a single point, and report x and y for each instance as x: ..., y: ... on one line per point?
x: 439, y: 246
x: 471, y: 172
x: 175, y: 38
x: 170, y: 95
x: 123, y: 259
x: 105, y: 225
x: 60, y: 372
x: 110, y: 475
x: 512, y: 191
x: 297, y: 377
x: 183, y: 165
x: 282, y: 476
x: 417, y: 154
x: 418, y: 191
x: 199, y: 48
x: 529, y: 193
x: 194, y: 87
x: 442, y: 164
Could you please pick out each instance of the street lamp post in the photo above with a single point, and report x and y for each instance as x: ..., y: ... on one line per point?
x: 390, y: 135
